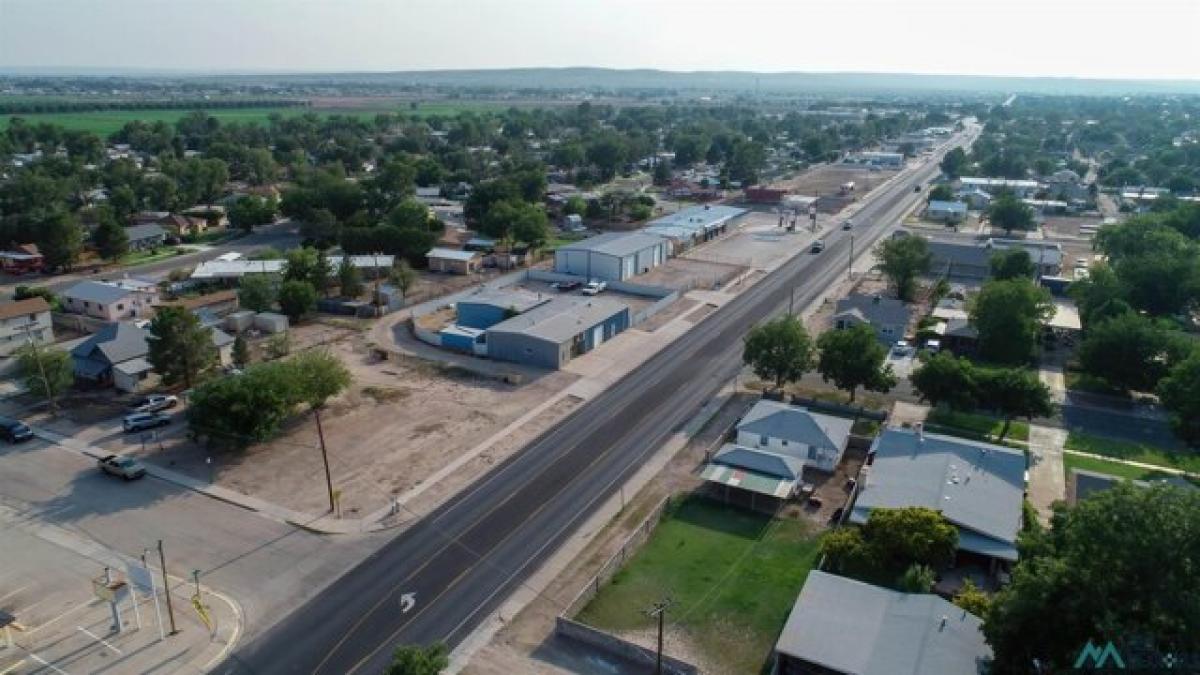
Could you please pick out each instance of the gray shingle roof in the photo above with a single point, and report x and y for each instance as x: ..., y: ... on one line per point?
x: 779, y: 420
x: 94, y: 291
x: 113, y: 343
x: 874, y: 309
x: 618, y: 244
x: 977, y: 486
x: 141, y: 232
x: 759, y: 461
x: 852, y: 627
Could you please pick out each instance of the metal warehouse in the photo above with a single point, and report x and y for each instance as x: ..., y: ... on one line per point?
x: 691, y: 226
x: 489, y: 306
x: 615, y: 256
x: 553, y: 333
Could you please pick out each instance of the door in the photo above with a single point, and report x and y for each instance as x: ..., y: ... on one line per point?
x: 597, y: 336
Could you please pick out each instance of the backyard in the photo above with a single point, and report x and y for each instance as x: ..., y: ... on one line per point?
x: 731, y: 576
x: 983, y: 427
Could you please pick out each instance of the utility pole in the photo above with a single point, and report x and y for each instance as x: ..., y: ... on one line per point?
x: 162, y: 560
x: 37, y: 356
x: 660, y: 611
x: 325, y: 459
x: 850, y: 262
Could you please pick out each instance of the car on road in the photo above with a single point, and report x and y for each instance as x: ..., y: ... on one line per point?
x: 848, y: 225
x: 818, y: 246
x: 14, y: 431
x: 144, y: 421
x: 122, y: 466
x: 917, y: 187
x: 154, y: 403
x: 594, y: 287
x: 565, y: 286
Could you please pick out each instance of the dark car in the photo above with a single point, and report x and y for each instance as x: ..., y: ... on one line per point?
x: 15, y: 431
x: 564, y: 286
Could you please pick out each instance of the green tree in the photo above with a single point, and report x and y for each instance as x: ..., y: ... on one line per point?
x: 297, y: 298
x: 1100, y: 295
x: 238, y: 411
x: 1012, y: 263
x: 349, y: 279
x: 916, y: 578
x: 1119, y: 565
x: 1180, y: 395
x: 945, y: 378
x: 575, y: 205
x: 662, y: 173
x: 1009, y: 213
x: 241, y: 352
x: 319, y: 377
x: 109, y: 238
x: 418, y: 660
x: 181, y: 348
x: 779, y: 351
x: 890, y: 543
x: 1128, y: 351
x: 60, y: 239
x: 1013, y: 392
x: 971, y: 598
x: 954, y: 162
x: 256, y: 292
x: 854, y: 358
x: 403, y: 276
x: 941, y: 192
x: 1008, y: 316
x: 307, y: 264
x: 320, y: 229
x: 249, y: 212
x: 46, y: 373
x: 902, y: 260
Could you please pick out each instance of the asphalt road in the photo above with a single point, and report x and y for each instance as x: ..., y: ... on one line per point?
x: 459, y: 562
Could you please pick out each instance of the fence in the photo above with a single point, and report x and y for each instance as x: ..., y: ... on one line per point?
x: 612, y: 644
x: 649, y: 311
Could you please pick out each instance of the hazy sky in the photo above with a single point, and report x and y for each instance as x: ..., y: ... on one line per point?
x: 1094, y: 38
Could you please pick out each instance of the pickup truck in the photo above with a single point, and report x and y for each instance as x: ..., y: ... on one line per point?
x: 565, y: 286
x: 594, y: 287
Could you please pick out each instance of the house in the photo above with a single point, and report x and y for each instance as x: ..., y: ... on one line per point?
x: 957, y: 335
x: 972, y: 261
x: 215, y: 214
x: 979, y: 488
x: 887, y: 316
x: 454, y: 261
x: 1019, y: 188
x: 181, y: 225
x: 753, y: 476
x: 614, y: 256
x: 488, y: 307
x: 145, y: 237
x: 844, y: 626
x: 553, y: 333
x: 976, y: 199
x: 946, y: 212
x: 110, y: 301
x: 115, y: 355
x: 24, y: 322
x: 817, y: 440
x: 22, y: 259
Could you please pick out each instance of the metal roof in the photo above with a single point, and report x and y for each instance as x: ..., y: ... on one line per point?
x: 779, y: 420
x: 135, y: 366
x: 759, y: 461
x: 233, y: 269
x: 977, y: 486
x: 856, y: 628
x: 113, y: 343
x: 451, y: 254
x: 941, y: 205
x: 996, y: 182
x: 874, y: 309
x: 702, y: 218
x: 518, y: 299
x: 562, y: 318
x: 618, y: 244
x: 96, y: 291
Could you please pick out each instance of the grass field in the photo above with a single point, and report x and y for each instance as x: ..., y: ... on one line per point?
x: 1111, y: 468
x: 979, y: 426
x: 1136, y: 452
x: 105, y: 122
x: 731, y: 574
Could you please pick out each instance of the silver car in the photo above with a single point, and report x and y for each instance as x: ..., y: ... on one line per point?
x: 122, y: 466
x: 143, y: 421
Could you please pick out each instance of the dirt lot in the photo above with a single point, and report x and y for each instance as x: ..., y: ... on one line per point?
x: 687, y: 273
x: 827, y: 179
x: 1069, y: 226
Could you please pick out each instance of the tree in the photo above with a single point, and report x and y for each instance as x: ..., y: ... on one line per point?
x: 575, y: 205
x: 403, y: 276
x: 181, y: 348
x: 890, y: 543
x: 1012, y: 263
x: 307, y: 264
x: 941, y: 192
x: 917, y: 579
x: 662, y: 173
x: 1008, y: 316
x: 854, y: 358
x: 349, y: 279
x: 1180, y: 395
x: 241, y: 352
x: 319, y: 376
x: 972, y: 599
x: 1128, y: 351
x: 779, y: 350
x: 297, y: 298
x: 1119, y: 566
x: 249, y: 212
x: 1013, y: 392
x: 945, y: 378
x: 60, y: 240
x: 1100, y: 295
x: 46, y: 373
x: 417, y: 660
x: 109, y: 238
x: 902, y: 260
x: 954, y: 162
x: 1009, y: 213
x: 256, y: 292
x: 320, y: 228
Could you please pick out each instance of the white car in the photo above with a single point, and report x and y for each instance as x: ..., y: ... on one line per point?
x: 594, y: 287
x: 154, y: 403
x: 901, y: 348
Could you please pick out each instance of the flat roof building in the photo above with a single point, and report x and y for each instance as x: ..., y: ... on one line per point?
x: 614, y: 256
x: 551, y: 334
x: 489, y: 306
x: 453, y: 260
x: 696, y: 224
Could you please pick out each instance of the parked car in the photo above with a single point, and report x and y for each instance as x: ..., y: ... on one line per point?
x: 565, y: 286
x: 122, y: 466
x: 933, y: 346
x: 902, y: 348
x: 14, y: 431
x: 818, y: 246
x: 143, y: 421
x: 154, y: 403
x: 594, y: 287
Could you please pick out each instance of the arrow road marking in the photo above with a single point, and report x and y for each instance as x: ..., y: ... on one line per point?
x: 407, y: 602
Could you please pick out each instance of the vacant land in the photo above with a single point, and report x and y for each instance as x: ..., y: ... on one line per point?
x: 731, y: 575
x: 1134, y: 452
x: 828, y: 179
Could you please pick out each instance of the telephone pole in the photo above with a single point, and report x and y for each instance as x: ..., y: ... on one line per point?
x: 37, y: 356
x: 659, y: 610
x: 162, y: 561
x: 325, y: 459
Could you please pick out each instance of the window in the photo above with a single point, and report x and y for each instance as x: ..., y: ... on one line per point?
x: 120, y: 308
x: 784, y: 441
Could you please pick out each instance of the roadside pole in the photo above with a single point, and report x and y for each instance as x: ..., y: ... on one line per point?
x: 162, y: 559
x: 659, y: 610
x: 154, y: 594
x: 37, y: 356
x: 325, y: 459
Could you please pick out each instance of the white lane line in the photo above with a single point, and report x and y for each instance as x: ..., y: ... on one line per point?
x: 99, y: 639
x: 46, y: 663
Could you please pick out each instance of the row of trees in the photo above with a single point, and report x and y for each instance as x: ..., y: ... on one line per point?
x: 944, y: 379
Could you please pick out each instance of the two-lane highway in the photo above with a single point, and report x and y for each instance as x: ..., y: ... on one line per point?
x: 440, y: 578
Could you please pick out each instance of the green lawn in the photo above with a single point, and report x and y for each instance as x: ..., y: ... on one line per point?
x: 1111, y: 468
x: 731, y: 574
x: 979, y: 426
x: 1137, y: 452
x: 143, y: 257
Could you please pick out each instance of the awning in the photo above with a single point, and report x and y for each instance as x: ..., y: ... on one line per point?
x: 772, y: 486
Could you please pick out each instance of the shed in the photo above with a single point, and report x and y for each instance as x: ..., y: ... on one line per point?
x: 239, y: 321
x: 614, y: 256
x: 758, y: 476
x: 453, y: 261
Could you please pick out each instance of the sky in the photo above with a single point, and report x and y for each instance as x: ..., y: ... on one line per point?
x: 1146, y: 39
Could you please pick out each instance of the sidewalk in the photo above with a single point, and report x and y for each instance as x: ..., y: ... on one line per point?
x: 61, y: 627
x: 1047, y: 476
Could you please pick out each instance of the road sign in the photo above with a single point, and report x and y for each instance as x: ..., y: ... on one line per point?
x: 140, y: 577
x: 106, y: 590
x: 407, y: 602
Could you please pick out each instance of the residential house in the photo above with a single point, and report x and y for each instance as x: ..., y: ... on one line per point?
x: 816, y: 439
x: 24, y: 322
x: 182, y: 226
x: 887, y: 316
x: 215, y: 214
x: 841, y: 626
x: 972, y: 261
x: 116, y: 355
x: 145, y: 237
x: 454, y: 261
x: 111, y: 301
x: 946, y: 212
x: 979, y: 488
x: 22, y: 259
x: 753, y: 476
x: 975, y: 198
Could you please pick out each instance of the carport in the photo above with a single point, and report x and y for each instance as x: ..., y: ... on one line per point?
x: 751, y: 477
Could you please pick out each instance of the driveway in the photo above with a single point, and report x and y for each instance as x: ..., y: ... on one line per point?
x: 1047, y: 476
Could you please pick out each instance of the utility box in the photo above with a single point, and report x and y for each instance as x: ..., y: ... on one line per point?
x: 237, y: 322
